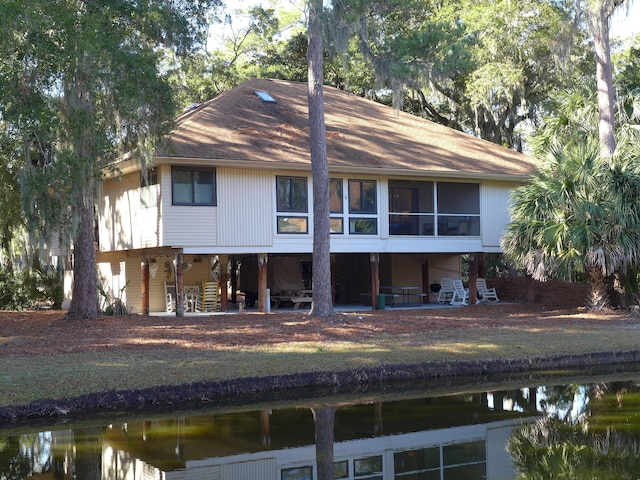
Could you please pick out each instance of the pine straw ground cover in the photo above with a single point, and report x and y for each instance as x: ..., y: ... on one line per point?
x: 51, y: 365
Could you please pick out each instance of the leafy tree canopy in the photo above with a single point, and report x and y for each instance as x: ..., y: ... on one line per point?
x: 81, y: 85
x: 578, y: 216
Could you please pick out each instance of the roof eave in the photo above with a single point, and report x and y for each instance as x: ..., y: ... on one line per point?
x: 375, y: 171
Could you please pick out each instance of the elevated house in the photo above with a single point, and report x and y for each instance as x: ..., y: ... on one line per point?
x: 229, y: 198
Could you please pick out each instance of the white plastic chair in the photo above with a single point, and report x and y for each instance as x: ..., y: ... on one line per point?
x: 486, y: 294
x: 171, y: 304
x: 460, y: 294
x: 210, y: 299
x: 192, y: 299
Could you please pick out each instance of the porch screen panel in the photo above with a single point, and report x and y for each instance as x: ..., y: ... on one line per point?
x: 458, y: 206
x: 411, y: 208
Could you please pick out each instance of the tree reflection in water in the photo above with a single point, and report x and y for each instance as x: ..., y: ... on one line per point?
x: 589, y: 432
x: 324, y: 418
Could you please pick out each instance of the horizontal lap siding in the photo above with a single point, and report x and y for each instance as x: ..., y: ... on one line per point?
x: 443, y: 265
x: 133, y: 280
x: 184, y: 225
x: 246, y: 212
x: 407, y: 270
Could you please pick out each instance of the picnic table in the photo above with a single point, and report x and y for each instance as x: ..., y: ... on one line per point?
x: 406, y: 292
x: 297, y: 297
x: 400, y: 295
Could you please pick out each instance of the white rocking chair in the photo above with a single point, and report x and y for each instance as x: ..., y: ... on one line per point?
x: 486, y: 294
x: 460, y: 294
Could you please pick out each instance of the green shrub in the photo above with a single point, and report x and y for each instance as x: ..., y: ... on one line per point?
x: 14, y: 295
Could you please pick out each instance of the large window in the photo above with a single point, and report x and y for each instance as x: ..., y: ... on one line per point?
x: 455, y: 461
x: 411, y: 209
x: 292, y: 200
x: 369, y: 467
x: 362, y: 205
x: 299, y: 473
x: 193, y: 186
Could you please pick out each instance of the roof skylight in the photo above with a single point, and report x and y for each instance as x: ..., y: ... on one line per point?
x: 265, y: 97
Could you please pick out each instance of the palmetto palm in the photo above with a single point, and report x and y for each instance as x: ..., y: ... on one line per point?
x: 580, y: 214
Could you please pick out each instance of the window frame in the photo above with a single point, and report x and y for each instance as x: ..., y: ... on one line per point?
x: 291, y: 208
x: 362, y: 216
x: 285, y: 212
x: 192, y: 170
x: 336, y: 220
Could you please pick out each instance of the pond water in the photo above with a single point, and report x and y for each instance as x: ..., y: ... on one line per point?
x: 460, y: 432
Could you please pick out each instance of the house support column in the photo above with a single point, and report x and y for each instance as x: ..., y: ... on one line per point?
x: 333, y: 279
x: 234, y: 280
x: 177, y: 264
x: 144, y: 287
x: 374, y: 260
x: 473, y: 278
x: 263, y: 260
x: 425, y: 280
x: 224, y: 288
x: 481, y: 266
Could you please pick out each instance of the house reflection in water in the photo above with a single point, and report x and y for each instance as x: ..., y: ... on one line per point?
x: 453, y: 437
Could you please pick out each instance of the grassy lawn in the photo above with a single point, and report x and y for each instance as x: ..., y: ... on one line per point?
x: 61, y: 374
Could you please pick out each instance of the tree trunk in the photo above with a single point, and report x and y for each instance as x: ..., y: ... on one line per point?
x: 80, y: 109
x: 88, y: 453
x: 599, y: 13
x: 84, y: 301
x: 598, y: 290
x: 322, y: 304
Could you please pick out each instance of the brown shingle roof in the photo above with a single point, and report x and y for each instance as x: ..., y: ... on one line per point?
x: 238, y: 127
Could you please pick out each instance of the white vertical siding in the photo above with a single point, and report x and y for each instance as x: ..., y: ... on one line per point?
x: 111, y: 276
x: 494, y: 212
x: 263, y: 469
x: 150, y: 216
x: 257, y: 470
x: 184, y: 225
x: 246, y: 211
x: 120, y: 276
x: 119, y: 213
